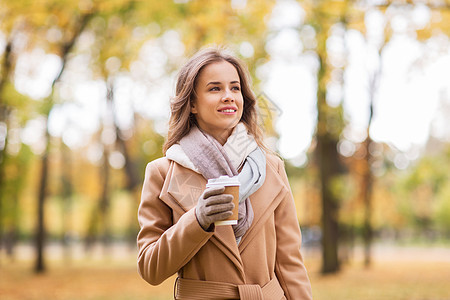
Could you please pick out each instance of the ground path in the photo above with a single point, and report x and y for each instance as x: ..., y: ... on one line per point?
x: 396, y: 273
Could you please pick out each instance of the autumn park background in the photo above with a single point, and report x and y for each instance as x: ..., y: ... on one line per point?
x: 84, y: 93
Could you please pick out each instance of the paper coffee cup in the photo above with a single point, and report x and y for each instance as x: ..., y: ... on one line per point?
x: 231, y: 185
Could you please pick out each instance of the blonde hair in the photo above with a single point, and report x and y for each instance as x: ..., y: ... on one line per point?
x: 181, y: 120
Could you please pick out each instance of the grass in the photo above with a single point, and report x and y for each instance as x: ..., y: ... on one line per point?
x: 396, y: 273
x: 393, y: 281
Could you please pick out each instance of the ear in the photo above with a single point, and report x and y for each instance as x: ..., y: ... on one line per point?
x: 193, y: 108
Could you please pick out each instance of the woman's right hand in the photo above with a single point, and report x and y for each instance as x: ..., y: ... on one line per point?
x: 213, y: 206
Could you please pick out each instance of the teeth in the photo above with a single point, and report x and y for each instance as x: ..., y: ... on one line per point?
x: 228, y: 110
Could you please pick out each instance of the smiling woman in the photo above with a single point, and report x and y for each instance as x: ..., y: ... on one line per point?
x: 182, y: 117
x: 219, y: 103
x: 213, y: 134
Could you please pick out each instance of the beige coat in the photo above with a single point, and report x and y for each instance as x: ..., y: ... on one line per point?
x: 171, y: 239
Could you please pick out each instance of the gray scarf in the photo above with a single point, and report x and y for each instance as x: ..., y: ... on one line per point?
x: 212, y: 161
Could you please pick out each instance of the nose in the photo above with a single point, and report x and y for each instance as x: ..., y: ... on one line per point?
x: 228, y: 96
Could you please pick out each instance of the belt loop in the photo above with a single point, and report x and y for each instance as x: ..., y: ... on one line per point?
x: 250, y: 292
x: 175, y: 288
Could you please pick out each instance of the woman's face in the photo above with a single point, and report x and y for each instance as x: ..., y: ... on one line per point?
x: 218, y: 105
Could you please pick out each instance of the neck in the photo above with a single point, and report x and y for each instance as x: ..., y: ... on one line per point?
x: 221, y: 135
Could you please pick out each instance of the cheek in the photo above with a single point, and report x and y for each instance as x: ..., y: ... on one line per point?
x: 242, y: 108
x: 240, y: 100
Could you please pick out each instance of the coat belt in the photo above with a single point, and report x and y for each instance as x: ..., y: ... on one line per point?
x: 190, y: 289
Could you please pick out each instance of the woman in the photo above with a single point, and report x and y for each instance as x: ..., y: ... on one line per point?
x: 213, y: 131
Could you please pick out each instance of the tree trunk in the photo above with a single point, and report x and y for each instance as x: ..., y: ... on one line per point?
x: 367, y: 195
x: 327, y: 156
x: 67, y: 191
x: 133, y: 182
x: 327, y: 135
x: 4, y: 118
x: 11, y: 230
x: 99, y: 217
x: 367, y: 176
x: 40, y: 227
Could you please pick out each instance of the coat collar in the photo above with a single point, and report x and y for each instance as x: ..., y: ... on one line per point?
x: 238, y: 146
x: 183, y: 187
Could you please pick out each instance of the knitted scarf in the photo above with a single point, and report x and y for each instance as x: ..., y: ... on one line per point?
x: 213, y: 160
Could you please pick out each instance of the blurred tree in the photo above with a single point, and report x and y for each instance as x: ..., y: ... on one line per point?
x: 421, y: 188
x: 66, y: 48
x: 363, y: 161
x: 69, y: 19
x: 350, y: 14
x: 4, y: 108
x: 434, y: 27
x: 323, y: 16
x: 67, y: 191
x: 7, y: 62
x: 119, y: 37
x: 4, y: 123
x: 98, y: 223
x: 15, y: 110
x: 441, y: 207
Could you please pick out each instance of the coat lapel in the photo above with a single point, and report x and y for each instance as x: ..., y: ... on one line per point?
x: 264, y: 201
x: 181, y: 190
x: 185, y: 187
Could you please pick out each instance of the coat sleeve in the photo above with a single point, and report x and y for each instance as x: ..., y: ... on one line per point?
x: 164, y: 247
x: 289, y: 268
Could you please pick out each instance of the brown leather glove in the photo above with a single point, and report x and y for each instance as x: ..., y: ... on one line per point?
x: 213, y: 206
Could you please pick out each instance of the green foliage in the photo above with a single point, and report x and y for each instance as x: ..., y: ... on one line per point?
x: 14, y: 100
x: 442, y: 208
x: 343, y: 187
x: 16, y: 169
x: 423, y: 193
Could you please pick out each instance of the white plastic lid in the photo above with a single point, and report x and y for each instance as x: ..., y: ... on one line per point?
x: 223, y: 181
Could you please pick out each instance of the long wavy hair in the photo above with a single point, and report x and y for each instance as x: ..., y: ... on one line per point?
x: 182, y: 120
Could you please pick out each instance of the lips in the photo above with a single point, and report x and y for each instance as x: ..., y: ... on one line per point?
x: 228, y: 109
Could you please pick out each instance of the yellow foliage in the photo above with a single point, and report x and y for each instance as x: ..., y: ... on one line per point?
x: 216, y: 22
x: 439, y: 24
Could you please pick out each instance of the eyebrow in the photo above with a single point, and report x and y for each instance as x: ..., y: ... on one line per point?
x: 218, y: 82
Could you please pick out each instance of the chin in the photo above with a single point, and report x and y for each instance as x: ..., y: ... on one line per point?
x: 234, y: 123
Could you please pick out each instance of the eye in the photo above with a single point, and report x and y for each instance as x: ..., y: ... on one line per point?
x: 236, y: 88
x: 216, y: 88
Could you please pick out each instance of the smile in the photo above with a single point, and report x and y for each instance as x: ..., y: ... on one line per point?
x: 228, y: 110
